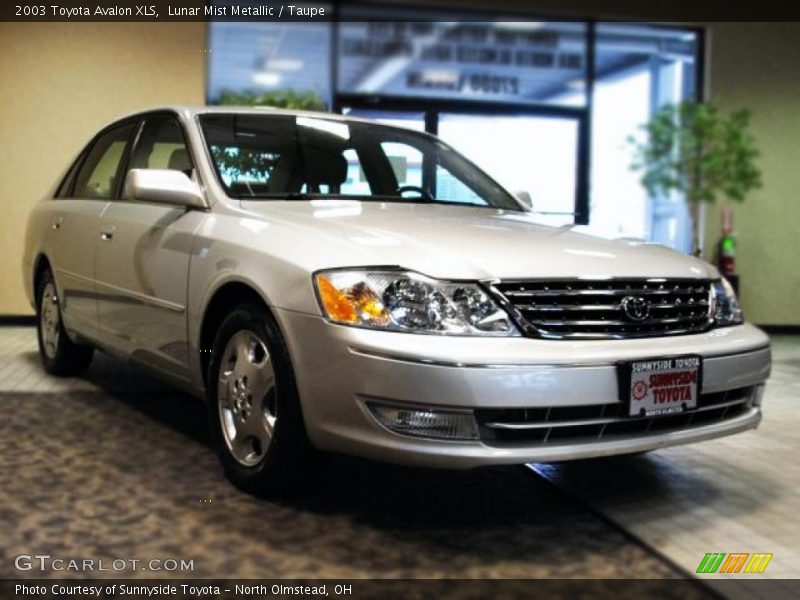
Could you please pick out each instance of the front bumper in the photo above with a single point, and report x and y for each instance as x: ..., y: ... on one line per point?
x: 339, y: 369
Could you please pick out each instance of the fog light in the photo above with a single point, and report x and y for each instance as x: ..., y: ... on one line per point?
x: 425, y: 422
x: 758, y: 395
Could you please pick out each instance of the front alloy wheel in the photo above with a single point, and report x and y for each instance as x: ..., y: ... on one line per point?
x: 247, y: 398
x: 253, y: 405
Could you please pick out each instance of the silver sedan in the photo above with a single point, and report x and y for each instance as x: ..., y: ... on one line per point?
x: 333, y: 284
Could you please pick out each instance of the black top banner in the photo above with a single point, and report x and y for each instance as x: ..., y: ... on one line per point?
x: 283, y: 11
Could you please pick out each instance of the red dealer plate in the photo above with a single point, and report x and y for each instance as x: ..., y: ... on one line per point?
x: 663, y: 386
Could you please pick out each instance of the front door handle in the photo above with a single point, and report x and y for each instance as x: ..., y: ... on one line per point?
x: 107, y: 234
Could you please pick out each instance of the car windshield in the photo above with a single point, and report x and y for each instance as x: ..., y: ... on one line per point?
x: 305, y: 157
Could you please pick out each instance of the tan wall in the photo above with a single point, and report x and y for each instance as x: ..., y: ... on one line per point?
x: 61, y: 83
x: 755, y: 65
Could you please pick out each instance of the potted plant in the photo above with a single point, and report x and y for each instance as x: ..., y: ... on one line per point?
x: 697, y: 150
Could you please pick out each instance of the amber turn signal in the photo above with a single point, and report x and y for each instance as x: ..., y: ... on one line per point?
x: 336, y: 304
x: 351, y: 304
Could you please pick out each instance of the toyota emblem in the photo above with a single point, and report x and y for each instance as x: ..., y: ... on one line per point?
x: 636, y: 308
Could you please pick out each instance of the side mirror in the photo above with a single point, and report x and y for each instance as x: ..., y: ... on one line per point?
x: 165, y: 186
x: 524, y: 199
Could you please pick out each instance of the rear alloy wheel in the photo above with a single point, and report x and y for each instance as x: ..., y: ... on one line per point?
x: 50, y: 320
x: 253, y: 405
x: 60, y: 355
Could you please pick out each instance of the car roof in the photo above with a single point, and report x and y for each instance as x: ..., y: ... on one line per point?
x: 192, y: 111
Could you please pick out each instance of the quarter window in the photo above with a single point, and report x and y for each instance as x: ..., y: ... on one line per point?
x: 162, y: 146
x: 99, y: 174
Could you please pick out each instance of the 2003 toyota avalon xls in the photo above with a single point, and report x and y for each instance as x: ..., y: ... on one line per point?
x: 336, y: 284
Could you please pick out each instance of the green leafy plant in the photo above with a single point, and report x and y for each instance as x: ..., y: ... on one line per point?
x: 278, y: 99
x: 697, y: 150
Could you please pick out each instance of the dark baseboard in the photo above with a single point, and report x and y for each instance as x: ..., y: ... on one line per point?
x: 781, y: 329
x: 17, y: 320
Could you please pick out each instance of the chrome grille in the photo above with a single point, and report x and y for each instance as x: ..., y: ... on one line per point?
x: 606, y: 309
x: 558, y: 424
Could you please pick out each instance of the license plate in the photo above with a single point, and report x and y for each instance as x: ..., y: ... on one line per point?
x: 663, y: 386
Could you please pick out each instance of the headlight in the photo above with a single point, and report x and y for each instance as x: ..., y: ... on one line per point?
x: 724, y: 305
x: 410, y: 302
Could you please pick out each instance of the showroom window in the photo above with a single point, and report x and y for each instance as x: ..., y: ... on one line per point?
x: 544, y: 107
x: 268, y: 57
x: 516, y: 62
x: 638, y: 69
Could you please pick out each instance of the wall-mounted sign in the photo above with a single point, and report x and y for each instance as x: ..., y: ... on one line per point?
x: 521, y: 62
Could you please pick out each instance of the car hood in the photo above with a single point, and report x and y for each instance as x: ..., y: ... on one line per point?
x: 457, y: 242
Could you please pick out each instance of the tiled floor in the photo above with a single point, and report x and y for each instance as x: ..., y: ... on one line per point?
x: 738, y: 494
x: 21, y: 370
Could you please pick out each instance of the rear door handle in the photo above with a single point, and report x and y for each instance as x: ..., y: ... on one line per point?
x: 57, y: 222
x: 107, y: 234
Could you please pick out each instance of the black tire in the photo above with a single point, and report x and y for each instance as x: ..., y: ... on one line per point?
x: 289, y: 456
x: 60, y: 355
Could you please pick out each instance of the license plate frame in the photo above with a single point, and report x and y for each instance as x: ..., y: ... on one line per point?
x: 669, y: 395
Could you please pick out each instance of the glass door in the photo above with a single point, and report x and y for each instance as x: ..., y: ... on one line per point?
x: 533, y: 154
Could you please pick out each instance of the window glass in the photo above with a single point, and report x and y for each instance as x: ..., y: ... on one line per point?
x: 452, y: 189
x: 525, y: 153
x: 266, y: 156
x: 66, y: 183
x: 269, y: 60
x: 406, y: 163
x: 99, y: 174
x: 162, y: 146
x: 407, y: 119
x: 639, y: 69
x: 252, y: 160
x: 525, y: 62
x: 356, y: 182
